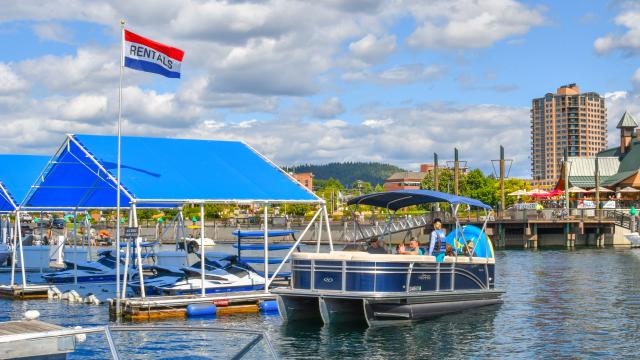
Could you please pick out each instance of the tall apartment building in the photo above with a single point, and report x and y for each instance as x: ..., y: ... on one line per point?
x: 566, y: 119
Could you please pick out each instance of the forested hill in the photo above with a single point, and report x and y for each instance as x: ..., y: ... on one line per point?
x: 350, y: 172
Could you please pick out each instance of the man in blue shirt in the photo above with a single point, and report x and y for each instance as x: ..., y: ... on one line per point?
x: 437, y: 244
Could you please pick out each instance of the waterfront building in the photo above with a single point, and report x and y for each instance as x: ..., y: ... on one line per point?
x: 567, y: 119
x: 404, y: 180
x: 305, y: 179
x: 619, y: 167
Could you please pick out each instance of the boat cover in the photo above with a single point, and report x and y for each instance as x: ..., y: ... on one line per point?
x: 17, y: 174
x: 169, y: 171
x: 394, y: 200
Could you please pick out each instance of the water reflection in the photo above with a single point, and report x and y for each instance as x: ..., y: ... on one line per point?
x: 558, y: 304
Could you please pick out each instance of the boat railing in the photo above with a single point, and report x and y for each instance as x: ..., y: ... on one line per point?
x: 78, y: 332
x: 395, y: 226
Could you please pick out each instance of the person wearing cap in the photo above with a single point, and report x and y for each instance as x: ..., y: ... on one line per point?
x: 375, y: 247
x: 437, y: 245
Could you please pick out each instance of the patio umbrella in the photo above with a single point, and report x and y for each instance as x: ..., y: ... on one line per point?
x: 518, y: 193
x: 537, y: 192
x: 602, y: 190
x: 575, y: 190
x: 628, y: 189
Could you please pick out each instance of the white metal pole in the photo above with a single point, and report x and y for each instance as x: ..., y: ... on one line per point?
x: 24, y: 276
x: 266, y: 249
x: 75, y: 246
x: 127, y: 254
x: 326, y: 219
x: 319, y: 237
x: 14, y: 237
x: 134, y: 215
x: 304, y: 232
x: 118, y: 172
x: 202, y: 252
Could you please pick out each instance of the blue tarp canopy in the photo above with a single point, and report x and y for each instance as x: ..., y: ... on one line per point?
x: 160, y: 172
x: 17, y: 174
x: 394, y: 200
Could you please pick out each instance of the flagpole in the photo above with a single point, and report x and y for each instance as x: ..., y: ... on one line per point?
x: 118, y: 171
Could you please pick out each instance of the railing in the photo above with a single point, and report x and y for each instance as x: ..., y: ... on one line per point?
x: 258, y: 336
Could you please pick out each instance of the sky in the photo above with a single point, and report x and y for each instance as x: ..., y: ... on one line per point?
x: 317, y: 81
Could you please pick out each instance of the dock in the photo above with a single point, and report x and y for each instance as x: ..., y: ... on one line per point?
x: 18, y: 292
x: 21, y: 339
x: 162, y: 307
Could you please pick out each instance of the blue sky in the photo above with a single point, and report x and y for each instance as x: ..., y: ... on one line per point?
x: 314, y: 82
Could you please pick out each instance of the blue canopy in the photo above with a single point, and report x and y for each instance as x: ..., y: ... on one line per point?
x: 17, y: 174
x: 160, y: 172
x: 394, y: 200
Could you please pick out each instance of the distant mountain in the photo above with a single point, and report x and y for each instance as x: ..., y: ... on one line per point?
x: 349, y: 172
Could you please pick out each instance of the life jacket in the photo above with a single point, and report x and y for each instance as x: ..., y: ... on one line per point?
x: 441, y: 244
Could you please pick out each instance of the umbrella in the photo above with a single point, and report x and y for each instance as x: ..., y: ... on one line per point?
x: 575, y: 189
x: 537, y: 192
x: 602, y: 190
x: 628, y: 189
x: 556, y: 192
x: 518, y: 193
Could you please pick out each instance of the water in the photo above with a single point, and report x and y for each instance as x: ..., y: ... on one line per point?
x: 558, y: 304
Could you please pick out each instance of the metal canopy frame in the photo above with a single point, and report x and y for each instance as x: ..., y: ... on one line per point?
x: 454, y: 212
x: 103, y: 175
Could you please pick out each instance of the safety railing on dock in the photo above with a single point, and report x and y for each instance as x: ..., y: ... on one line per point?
x: 255, y: 337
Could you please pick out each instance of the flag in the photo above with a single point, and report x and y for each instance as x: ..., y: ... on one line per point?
x: 147, y: 55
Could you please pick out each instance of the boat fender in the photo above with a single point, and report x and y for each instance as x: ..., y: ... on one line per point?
x: 201, y: 310
x: 54, y: 293
x: 31, y: 314
x: 80, y: 337
x: 269, y: 307
x: 91, y: 299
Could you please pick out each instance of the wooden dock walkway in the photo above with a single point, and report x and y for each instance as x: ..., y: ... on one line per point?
x: 18, y: 292
x: 161, y: 307
x: 14, y: 342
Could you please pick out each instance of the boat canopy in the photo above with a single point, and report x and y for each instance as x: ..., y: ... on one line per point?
x: 394, y: 200
x: 17, y: 174
x: 160, y: 172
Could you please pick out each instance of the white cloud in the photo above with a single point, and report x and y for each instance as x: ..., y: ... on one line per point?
x: 371, y: 49
x: 629, y: 41
x: 330, y: 108
x: 10, y: 82
x: 52, y: 31
x: 467, y: 24
x: 399, y: 74
x: 84, y: 107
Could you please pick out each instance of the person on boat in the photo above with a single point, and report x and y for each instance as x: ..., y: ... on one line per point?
x: 375, y: 247
x: 413, y: 249
x: 437, y: 244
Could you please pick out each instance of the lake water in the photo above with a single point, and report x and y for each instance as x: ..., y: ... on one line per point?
x: 558, y: 304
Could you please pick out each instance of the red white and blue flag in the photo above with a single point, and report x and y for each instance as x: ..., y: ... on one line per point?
x: 147, y: 55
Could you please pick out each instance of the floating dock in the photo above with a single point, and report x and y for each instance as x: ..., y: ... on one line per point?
x: 29, y: 339
x: 162, y: 307
x: 18, y: 292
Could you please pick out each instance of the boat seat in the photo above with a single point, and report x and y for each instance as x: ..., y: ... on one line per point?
x: 463, y: 259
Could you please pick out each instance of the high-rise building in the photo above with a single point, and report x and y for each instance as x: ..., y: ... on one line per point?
x: 566, y: 119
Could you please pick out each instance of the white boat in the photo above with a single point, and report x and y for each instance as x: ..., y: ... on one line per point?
x: 232, y: 277
x: 5, y: 252
x: 634, y: 239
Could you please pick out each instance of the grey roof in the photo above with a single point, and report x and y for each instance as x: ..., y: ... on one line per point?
x: 414, y: 175
x: 586, y: 166
x: 582, y: 170
x: 627, y: 121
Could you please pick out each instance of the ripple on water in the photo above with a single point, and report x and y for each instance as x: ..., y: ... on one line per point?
x: 559, y: 304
